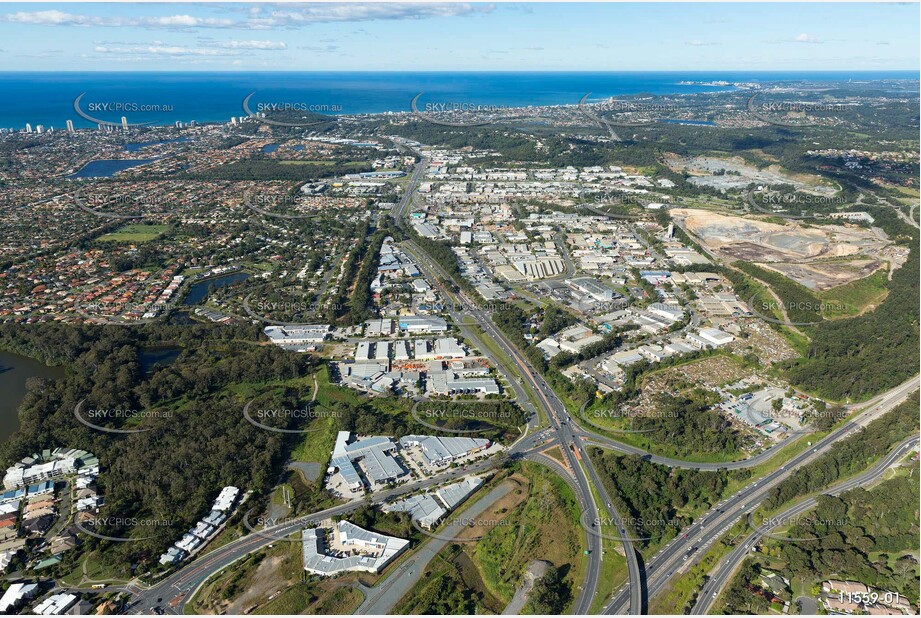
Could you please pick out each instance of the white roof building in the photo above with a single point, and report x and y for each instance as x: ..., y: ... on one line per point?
x: 370, y: 551
x: 448, y: 347
x: 439, y: 451
x: 16, y: 594
x: 715, y: 336
x: 55, y: 605
x: 297, y: 334
x: 226, y: 498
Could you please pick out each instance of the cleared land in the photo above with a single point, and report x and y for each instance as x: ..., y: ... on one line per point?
x: 736, y: 173
x: 817, y: 257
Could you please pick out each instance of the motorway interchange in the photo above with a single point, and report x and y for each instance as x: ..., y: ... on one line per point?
x: 645, y: 579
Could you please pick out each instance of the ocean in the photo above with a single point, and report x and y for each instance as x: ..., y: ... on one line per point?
x: 164, y: 98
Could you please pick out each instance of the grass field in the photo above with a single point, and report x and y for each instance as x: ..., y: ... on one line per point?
x: 317, y: 446
x: 134, y: 232
x: 539, y: 522
x: 857, y: 295
x: 544, y: 527
x: 273, y: 581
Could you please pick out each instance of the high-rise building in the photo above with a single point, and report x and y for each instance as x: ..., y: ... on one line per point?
x: 28, y: 128
x: 70, y: 126
x: 124, y: 123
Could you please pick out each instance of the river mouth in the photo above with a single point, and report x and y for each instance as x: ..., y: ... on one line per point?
x: 15, y: 369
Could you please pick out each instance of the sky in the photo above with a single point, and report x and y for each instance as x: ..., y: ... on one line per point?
x: 458, y: 37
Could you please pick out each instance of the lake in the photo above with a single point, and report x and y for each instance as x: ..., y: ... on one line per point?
x: 14, y: 371
x: 151, y: 357
x: 106, y: 168
x: 136, y: 146
x: 199, y: 291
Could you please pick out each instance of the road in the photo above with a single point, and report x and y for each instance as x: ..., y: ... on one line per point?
x: 190, y: 577
x: 556, y: 411
x: 713, y: 524
x: 382, y: 598
x: 715, y: 585
x: 562, y: 431
x: 547, y: 399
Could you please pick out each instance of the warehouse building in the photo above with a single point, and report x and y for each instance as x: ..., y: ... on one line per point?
x: 350, y: 549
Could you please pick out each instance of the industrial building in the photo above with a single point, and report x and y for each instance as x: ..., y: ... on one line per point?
x: 350, y: 549
x: 440, y: 451
x: 297, y: 334
x: 429, y: 508
x: 375, y: 456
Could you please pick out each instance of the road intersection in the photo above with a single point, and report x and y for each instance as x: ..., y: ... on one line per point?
x: 644, y: 580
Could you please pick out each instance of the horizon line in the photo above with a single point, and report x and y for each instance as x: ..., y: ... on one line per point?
x: 24, y: 71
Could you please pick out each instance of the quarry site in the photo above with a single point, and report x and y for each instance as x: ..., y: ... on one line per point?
x: 818, y: 257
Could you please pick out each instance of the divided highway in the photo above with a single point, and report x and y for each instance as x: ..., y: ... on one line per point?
x: 713, y: 524
x: 643, y: 584
x: 715, y: 585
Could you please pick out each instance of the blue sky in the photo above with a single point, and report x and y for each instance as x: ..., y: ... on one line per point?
x: 458, y: 37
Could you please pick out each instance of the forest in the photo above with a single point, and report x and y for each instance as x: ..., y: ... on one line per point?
x: 655, y: 501
x: 850, y: 455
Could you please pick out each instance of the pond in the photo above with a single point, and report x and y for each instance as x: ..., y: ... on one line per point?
x: 151, y: 357
x: 199, y: 291
x: 14, y: 371
x: 106, y: 168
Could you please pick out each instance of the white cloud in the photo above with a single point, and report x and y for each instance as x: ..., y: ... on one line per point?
x: 256, y: 18
x: 60, y: 18
x: 259, y: 45
x: 806, y: 38
x: 799, y: 38
x: 161, y: 51
x: 700, y: 43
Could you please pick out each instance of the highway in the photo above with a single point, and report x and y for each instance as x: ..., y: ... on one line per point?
x: 715, y: 585
x: 713, y: 524
x: 556, y: 411
x: 571, y: 437
x: 548, y: 401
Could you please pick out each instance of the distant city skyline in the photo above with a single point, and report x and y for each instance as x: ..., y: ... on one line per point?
x: 459, y: 37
